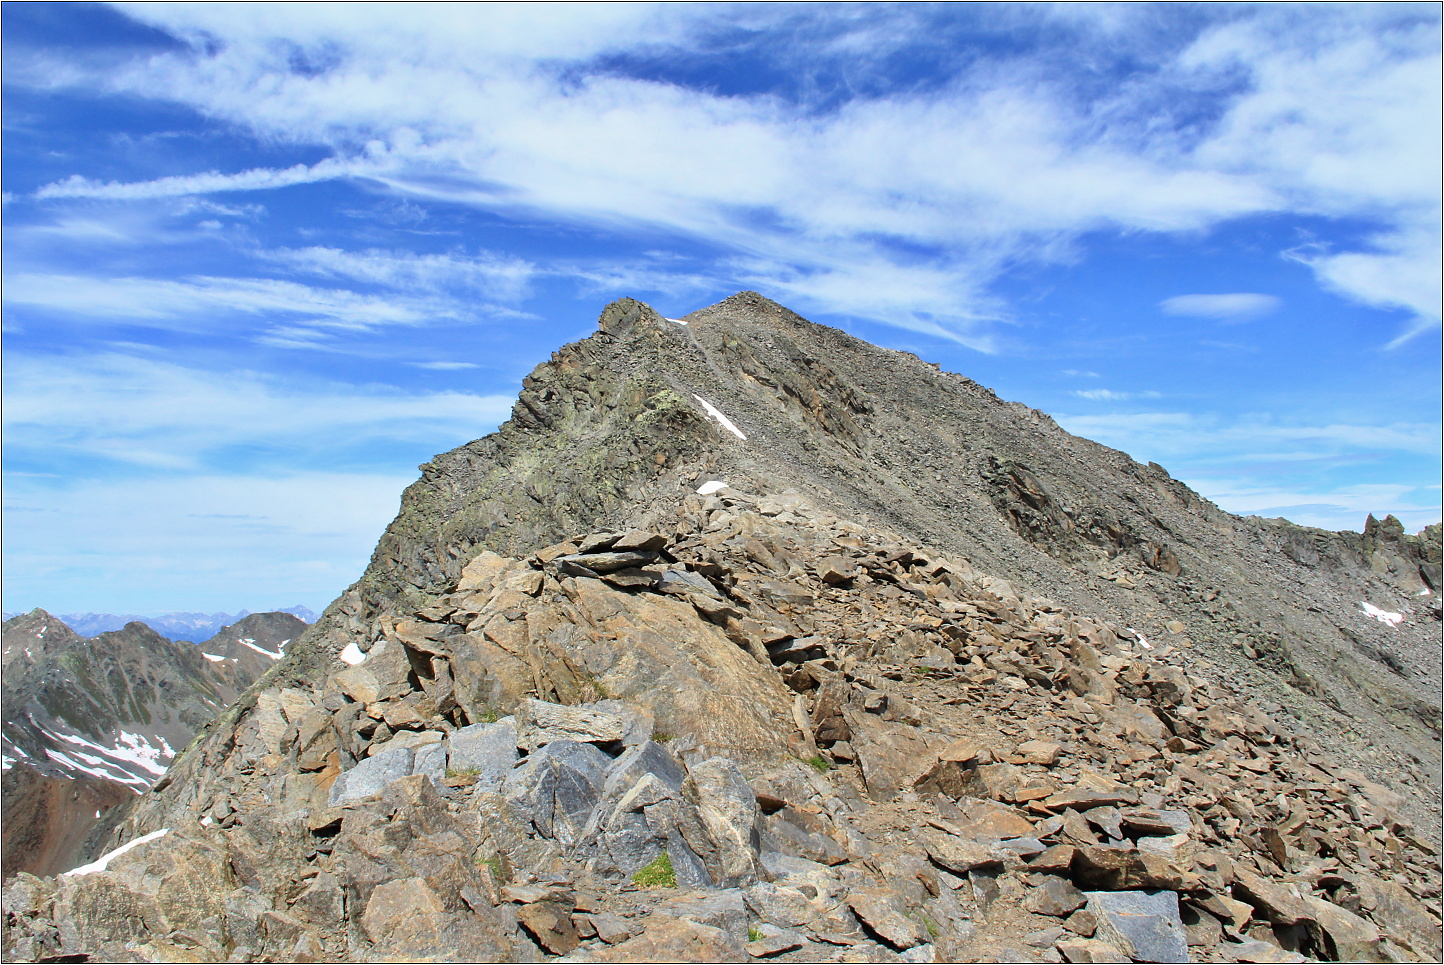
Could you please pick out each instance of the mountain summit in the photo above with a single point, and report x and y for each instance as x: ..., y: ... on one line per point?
x: 612, y: 428
x: 743, y: 639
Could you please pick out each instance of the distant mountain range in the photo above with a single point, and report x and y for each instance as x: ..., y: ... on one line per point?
x: 88, y: 723
x: 195, y: 627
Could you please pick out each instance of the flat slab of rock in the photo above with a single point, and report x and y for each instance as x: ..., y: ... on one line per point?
x: 769, y: 945
x: 607, y: 562
x: 674, y: 940
x: 1256, y: 951
x: 1080, y: 799
x: 883, y: 911
x: 1144, y: 924
x: 959, y: 855
x: 539, y: 723
x: 1090, y: 950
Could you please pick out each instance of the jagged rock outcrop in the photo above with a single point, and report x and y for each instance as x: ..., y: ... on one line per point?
x: 107, y: 715
x: 745, y: 640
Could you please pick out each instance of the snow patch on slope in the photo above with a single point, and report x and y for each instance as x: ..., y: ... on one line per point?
x: 351, y: 654
x: 135, y: 749
x: 716, y: 413
x: 1383, y: 616
x: 103, y: 862
x: 248, y: 642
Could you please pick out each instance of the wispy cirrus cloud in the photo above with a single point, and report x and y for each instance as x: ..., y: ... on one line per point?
x: 996, y: 165
x: 209, y: 182
x: 146, y: 412
x: 1109, y: 395
x: 1231, y: 307
x: 1188, y: 434
x: 499, y: 276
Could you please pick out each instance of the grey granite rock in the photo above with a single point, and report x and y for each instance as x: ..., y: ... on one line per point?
x: 558, y: 786
x: 371, y: 775
x: 488, y: 749
x: 1145, y: 924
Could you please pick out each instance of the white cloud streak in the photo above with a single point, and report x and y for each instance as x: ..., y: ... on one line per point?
x: 211, y: 182
x: 497, y: 107
x: 1155, y: 435
x: 203, y: 303
x: 1109, y: 395
x: 501, y: 277
x: 160, y: 415
x: 1233, y: 307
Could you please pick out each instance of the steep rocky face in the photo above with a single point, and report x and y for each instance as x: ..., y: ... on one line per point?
x: 744, y: 639
x: 612, y: 426
x: 108, y: 714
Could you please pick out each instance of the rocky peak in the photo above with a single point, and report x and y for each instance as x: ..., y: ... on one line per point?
x: 609, y: 429
x: 30, y: 638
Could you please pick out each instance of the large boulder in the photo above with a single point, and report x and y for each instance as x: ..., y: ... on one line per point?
x: 372, y: 775
x: 557, y: 787
x: 488, y: 751
x: 727, y: 807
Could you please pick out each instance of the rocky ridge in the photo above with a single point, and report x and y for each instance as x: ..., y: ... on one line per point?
x: 762, y: 732
x: 608, y: 430
x: 930, y: 680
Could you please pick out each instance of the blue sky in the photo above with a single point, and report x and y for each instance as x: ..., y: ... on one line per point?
x: 261, y: 261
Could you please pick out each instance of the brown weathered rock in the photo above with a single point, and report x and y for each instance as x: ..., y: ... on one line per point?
x: 1039, y: 752
x: 1278, y: 903
x: 1090, y: 950
x: 551, y: 925
x: 1343, y: 935
x: 884, y: 912
x: 959, y: 855
x: 1402, y: 917
x: 674, y: 940
x: 1119, y: 868
x: 836, y: 570
x: 1056, y: 897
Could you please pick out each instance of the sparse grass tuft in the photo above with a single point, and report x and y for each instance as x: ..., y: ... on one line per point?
x: 463, y: 772
x: 657, y: 874
x: 819, y: 764
x: 753, y: 935
x: 498, y: 871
